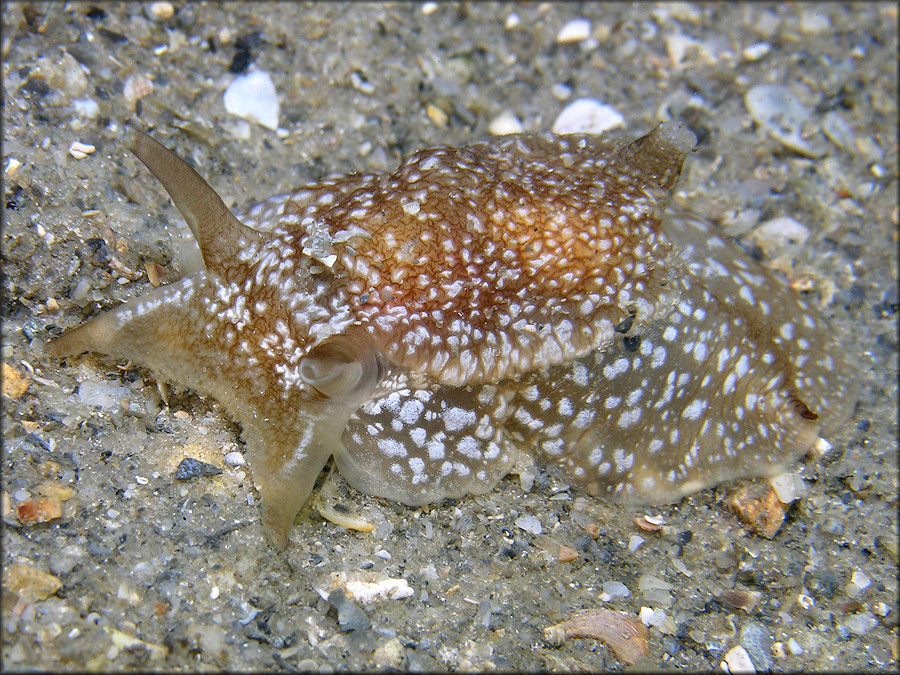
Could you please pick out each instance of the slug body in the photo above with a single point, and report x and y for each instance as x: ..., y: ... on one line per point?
x: 534, y: 294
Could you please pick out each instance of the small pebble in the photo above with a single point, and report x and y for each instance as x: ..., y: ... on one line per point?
x: 814, y: 21
x: 737, y: 660
x: 616, y: 589
x: 860, y: 580
x: 253, y: 97
x: 794, y: 647
x: 86, y: 107
x: 587, y: 116
x: 758, y: 643
x: 678, y: 46
x: 577, y: 30
x: 860, y: 624
x: 635, y: 542
x: 162, y: 10
x: 193, y: 468
x: 350, y: 617
x: 437, y: 115
x: 12, y: 166
x: 505, y: 123
x: 777, y: 233
x: 235, y: 458
x: 775, y: 108
x: 101, y: 395
x: 512, y: 21
x: 80, y: 150
x: 652, y: 617
x: 560, y: 91
x: 789, y: 487
x: 756, y: 51
x: 805, y: 601
x: 566, y: 554
x: 136, y: 87
x: 530, y: 524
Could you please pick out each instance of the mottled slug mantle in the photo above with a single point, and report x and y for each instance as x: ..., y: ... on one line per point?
x: 534, y: 294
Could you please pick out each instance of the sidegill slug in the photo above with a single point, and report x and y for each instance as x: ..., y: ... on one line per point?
x: 435, y: 327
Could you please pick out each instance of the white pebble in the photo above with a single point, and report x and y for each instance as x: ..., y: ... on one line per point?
x: 777, y: 233
x: 648, y: 582
x: 80, y: 150
x: 214, y: 593
x: 794, y: 647
x: 86, y: 107
x: 652, y: 617
x: 512, y: 21
x: 737, y: 660
x: 616, y: 589
x: 821, y: 448
x: 505, y: 123
x: 587, y: 116
x: 140, y: 480
x: 789, y: 487
x: 530, y: 524
x: 635, y: 542
x: 837, y: 130
x: 860, y: 624
x: 136, y: 87
x: 560, y: 91
x: 100, y: 395
x: 860, y: 580
x: 162, y: 10
x: 577, y: 30
x: 12, y: 165
x: 677, y: 47
x: 235, y: 459
x: 429, y: 8
x: 756, y: 51
x: 814, y: 22
x: 253, y: 97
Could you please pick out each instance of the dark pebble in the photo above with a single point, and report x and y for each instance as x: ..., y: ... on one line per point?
x: 98, y: 550
x: 350, y: 617
x: 671, y: 645
x: 194, y: 468
x: 822, y: 584
x: 758, y: 643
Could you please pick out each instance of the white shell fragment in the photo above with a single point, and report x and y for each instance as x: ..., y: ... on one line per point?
x: 367, y: 592
x: 587, y: 116
x: 253, y: 98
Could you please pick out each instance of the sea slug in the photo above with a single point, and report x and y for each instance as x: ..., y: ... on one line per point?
x: 533, y: 295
